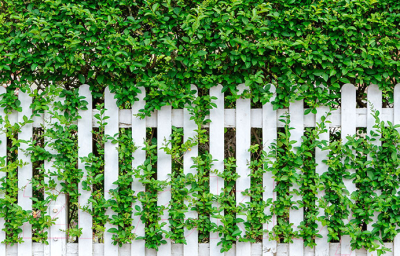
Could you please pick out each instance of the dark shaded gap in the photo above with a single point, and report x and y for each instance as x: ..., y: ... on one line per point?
x: 255, y: 233
x: 203, y: 184
x: 309, y: 189
x: 38, y: 189
x: 97, y: 176
x: 282, y: 189
x: 177, y: 207
x: 11, y: 185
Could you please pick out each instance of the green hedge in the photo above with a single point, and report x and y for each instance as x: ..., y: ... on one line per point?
x: 308, y: 49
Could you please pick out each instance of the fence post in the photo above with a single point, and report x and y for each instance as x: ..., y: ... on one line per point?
x: 110, y: 164
x: 3, y: 153
x: 25, y: 172
x: 269, y: 133
x: 243, y: 142
x: 296, y: 111
x: 348, y: 118
x: 375, y: 98
x: 396, y: 120
x: 57, y: 209
x: 322, y: 245
x: 85, y: 146
x: 164, y: 168
x: 217, y: 141
x: 189, y: 127
x: 138, y: 137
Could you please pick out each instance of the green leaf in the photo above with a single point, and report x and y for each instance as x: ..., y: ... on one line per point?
x: 81, y: 78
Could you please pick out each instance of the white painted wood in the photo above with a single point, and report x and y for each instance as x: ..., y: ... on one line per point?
x: 85, y: 146
x: 25, y: 172
x: 396, y: 120
x: 57, y: 209
x: 269, y: 134
x: 334, y: 249
x: 217, y: 152
x: 296, y: 111
x: 110, y: 164
x: 3, y: 153
x: 243, y: 142
x: 164, y: 169
x: 322, y: 247
x: 230, y: 118
x: 283, y: 250
x: 204, y: 249
x: 348, y: 116
x: 189, y: 131
x: 138, y: 136
x: 374, y: 101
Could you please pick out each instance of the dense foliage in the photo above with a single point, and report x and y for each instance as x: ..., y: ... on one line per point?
x: 304, y: 48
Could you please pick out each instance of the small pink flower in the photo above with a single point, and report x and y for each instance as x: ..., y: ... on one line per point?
x: 108, y: 47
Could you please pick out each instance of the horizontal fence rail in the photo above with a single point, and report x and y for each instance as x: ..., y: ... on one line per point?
x: 347, y: 117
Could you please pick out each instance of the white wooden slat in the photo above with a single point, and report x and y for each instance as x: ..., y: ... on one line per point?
x: 138, y: 136
x: 85, y: 146
x: 57, y: 209
x: 322, y: 245
x: 269, y: 134
x: 296, y: 111
x: 189, y: 127
x: 110, y: 164
x: 230, y: 118
x: 396, y: 120
x: 375, y: 98
x: 25, y: 172
x: 217, y: 151
x: 3, y: 153
x: 164, y: 168
x: 243, y: 142
x: 348, y: 116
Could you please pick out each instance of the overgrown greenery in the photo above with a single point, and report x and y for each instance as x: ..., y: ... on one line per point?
x: 306, y: 48
x: 375, y: 174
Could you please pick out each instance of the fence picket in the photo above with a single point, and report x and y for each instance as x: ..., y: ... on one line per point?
x: 322, y: 245
x: 189, y: 127
x: 57, y: 209
x: 110, y: 164
x: 85, y: 144
x: 164, y: 168
x: 217, y: 151
x: 296, y: 111
x: 138, y: 136
x: 25, y: 172
x: 396, y: 120
x: 243, y: 142
x: 348, y: 116
x: 3, y: 153
x: 374, y: 100
x: 269, y: 134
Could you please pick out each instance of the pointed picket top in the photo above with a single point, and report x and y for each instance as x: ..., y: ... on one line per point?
x: 296, y: 111
x: 269, y: 134
x: 217, y: 117
x: 243, y: 142
x: 164, y: 170
x: 322, y: 245
x: 110, y: 164
x: 348, y: 127
x: 139, y: 156
x: 189, y: 127
x: 348, y: 109
x: 85, y: 145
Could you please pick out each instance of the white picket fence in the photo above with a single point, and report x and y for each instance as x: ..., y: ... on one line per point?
x: 348, y: 117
